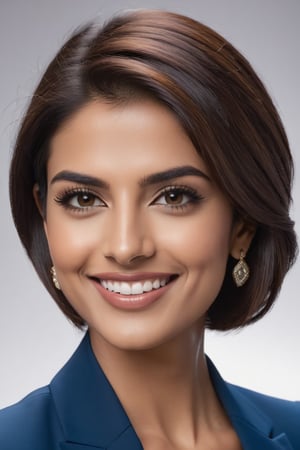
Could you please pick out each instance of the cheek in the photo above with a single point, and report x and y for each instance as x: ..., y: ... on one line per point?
x: 201, y: 239
x: 70, y: 241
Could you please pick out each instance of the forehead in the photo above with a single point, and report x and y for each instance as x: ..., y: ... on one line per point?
x: 138, y: 135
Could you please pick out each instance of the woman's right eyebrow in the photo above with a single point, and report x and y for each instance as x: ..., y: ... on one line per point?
x: 79, y: 178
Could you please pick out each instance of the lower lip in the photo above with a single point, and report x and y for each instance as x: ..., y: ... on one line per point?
x: 132, y: 302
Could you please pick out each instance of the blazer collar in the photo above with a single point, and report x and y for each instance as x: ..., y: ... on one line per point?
x: 253, y: 427
x: 92, y: 416
x: 89, y: 411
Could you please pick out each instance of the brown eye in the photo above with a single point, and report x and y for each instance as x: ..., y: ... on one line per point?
x: 82, y: 200
x: 178, y: 197
x: 174, y: 198
x: 85, y: 200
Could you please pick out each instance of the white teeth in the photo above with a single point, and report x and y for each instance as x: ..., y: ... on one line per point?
x: 109, y: 285
x: 156, y: 284
x: 116, y: 286
x: 148, y: 286
x: 125, y: 289
x: 135, y: 288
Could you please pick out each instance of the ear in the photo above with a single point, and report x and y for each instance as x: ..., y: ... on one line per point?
x: 242, y: 235
x: 38, y: 201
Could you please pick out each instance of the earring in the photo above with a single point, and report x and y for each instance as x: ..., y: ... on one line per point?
x: 54, y: 278
x: 241, y: 271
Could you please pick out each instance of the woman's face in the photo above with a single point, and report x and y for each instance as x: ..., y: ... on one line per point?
x: 138, y: 233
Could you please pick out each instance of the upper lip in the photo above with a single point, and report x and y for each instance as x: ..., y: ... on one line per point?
x: 139, y: 276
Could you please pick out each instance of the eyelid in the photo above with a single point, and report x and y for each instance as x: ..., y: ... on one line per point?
x: 194, y: 195
x: 65, y: 196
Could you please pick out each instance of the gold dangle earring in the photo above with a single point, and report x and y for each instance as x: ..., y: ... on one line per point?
x: 241, y: 271
x: 54, y: 278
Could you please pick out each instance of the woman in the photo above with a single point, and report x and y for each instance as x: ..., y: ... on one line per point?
x: 150, y: 186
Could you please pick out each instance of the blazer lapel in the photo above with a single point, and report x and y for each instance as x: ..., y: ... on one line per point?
x: 252, y: 426
x: 126, y: 441
x: 90, y: 413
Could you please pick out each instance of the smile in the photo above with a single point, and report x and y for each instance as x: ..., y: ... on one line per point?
x: 132, y: 291
x: 135, y: 288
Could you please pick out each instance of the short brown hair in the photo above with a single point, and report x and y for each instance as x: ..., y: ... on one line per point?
x: 224, y: 109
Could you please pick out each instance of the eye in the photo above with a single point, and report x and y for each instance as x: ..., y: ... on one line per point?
x: 79, y: 199
x: 174, y: 197
x: 178, y: 196
x: 84, y: 200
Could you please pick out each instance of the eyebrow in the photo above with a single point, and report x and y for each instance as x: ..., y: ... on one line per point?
x: 79, y: 178
x: 170, y: 174
x: 166, y: 175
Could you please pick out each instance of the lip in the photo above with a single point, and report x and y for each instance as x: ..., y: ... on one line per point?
x: 132, y: 302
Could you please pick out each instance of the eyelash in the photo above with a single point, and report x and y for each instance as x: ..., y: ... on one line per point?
x: 66, y: 196
x: 193, y: 198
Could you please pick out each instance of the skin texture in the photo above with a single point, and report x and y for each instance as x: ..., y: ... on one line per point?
x: 131, y: 227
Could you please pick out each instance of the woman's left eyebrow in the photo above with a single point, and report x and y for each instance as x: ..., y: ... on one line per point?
x: 170, y: 174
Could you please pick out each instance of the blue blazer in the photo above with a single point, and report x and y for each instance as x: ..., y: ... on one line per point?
x: 80, y: 411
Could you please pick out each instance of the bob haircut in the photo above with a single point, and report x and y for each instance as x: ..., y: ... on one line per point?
x: 222, y: 106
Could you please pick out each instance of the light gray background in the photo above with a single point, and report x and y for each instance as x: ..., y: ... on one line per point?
x: 35, y: 339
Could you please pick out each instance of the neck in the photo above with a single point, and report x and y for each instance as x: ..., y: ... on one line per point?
x: 172, y: 381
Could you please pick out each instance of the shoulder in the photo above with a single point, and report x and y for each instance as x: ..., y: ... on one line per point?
x: 285, y: 414
x: 29, y: 424
x: 276, y: 408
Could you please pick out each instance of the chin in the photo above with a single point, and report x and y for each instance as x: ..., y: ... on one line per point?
x: 129, y: 338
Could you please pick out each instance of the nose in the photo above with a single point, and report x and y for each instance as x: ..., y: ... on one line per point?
x: 128, y: 237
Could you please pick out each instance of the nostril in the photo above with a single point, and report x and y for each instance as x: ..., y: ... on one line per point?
x: 137, y: 258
